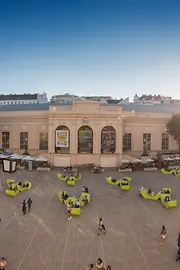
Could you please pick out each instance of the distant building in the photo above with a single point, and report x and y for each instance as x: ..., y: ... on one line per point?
x: 152, y: 99
x: 15, y: 99
x: 65, y: 98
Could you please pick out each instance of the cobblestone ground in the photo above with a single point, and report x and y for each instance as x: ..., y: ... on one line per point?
x: 45, y: 239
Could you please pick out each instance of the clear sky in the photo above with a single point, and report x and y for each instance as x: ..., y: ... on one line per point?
x: 90, y: 47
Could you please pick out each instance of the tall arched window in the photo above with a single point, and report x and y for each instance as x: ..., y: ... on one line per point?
x: 62, y: 140
x: 85, y: 140
x: 108, y: 140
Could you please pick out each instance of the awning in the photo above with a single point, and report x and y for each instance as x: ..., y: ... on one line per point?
x: 4, y: 156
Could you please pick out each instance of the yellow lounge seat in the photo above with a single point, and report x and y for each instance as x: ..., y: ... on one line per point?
x: 163, y: 192
x: 166, y: 172
x: 83, y: 194
x: 170, y: 204
x: 60, y: 177
x: 145, y: 195
x: 71, y: 183
x: 77, y: 178
x: 128, y: 178
x: 60, y: 197
x: 75, y: 211
x: 12, y: 193
x: 110, y: 182
x: 21, y: 188
x: 8, y: 181
x: 124, y: 186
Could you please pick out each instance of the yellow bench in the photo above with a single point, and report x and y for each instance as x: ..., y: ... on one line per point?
x: 145, y: 195
x: 110, y: 182
x: 21, y: 188
x: 61, y: 177
x: 167, y: 172
x: 75, y: 211
x: 9, y: 182
x: 12, y: 193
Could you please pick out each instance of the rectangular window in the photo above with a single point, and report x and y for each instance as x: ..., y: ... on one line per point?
x: 23, y: 140
x: 147, y: 141
x: 5, y: 140
x: 43, y: 141
x: 127, y: 142
x: 165, y: 141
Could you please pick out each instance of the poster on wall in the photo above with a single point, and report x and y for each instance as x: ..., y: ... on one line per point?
x: 62, y: 138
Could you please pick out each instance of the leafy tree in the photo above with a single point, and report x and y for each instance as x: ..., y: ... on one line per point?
x: 173, y: 127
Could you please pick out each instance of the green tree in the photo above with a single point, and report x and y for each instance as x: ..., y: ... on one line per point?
x: 173, y: 127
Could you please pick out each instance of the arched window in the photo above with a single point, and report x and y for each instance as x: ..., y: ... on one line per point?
x: 62, y: 140
x: 85, y: 140
x: 108, y: 140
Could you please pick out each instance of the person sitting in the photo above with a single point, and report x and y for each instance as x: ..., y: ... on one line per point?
x: 125, y: 183
x: 114, y: 180
x: 3, y: 264
x: 77, y: 204
x: 150, y: 191
x: 20, y: 184
x: 167, y: 199
x: 64, y: 196
x: 85, y: 199
x: 15, y: 188
x: 76, y: 175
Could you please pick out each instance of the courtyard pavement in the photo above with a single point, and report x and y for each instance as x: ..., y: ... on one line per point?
x: 45, y: 239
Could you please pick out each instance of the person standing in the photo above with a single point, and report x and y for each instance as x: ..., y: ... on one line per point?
x: 163, y: 234
x: 101, y: 226
x: 24, y: 207
x: 29, y: 203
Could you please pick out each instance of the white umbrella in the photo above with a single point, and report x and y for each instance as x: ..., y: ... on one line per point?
x: 3, y: 156
x: 41, y: 159
x: 125, y: 161
x: 136, y: 160
x: 168, y: 158
x: 178, y: 158
x: 147, y: 160
x: 15, y: 156
x: 28, y: 158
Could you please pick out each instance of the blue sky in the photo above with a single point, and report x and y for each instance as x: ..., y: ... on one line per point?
x: 90, y: 47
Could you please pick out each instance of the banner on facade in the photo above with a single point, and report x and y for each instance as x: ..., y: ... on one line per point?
x: 62, y: 138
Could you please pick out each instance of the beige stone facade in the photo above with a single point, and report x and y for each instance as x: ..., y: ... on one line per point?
x: 23, y: 129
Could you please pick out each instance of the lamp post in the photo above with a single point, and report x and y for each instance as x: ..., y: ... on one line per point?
x: 144, y: 154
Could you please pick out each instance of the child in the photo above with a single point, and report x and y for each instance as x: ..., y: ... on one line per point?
x: 163, y: 234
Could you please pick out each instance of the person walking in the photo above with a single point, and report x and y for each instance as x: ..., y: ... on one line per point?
x: 178, y: 240
x: 69, y: 211
x: 24, y: 207
x: 163, y: 234
x: 29, y: 203
x: 101, y: 226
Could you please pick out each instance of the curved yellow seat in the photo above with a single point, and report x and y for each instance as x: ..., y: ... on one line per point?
x: 61, y: 177
x: 77, y: 178
x: 145, y: 195
x: 83, y: 194
x: 9, y: 182
x: 75, y: 211
x: 166, y: 191
x: 60, y: 197
x: 169, y: 204
x: 128, y: 178
x: 24, y: 188
x: 110, y: 182
x: 166, y: 172
x: 12, y: 193
x: 124, y: 186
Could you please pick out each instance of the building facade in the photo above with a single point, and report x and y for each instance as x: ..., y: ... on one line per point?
x: 86, y: 131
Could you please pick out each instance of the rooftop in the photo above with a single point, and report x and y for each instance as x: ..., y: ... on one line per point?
x: 166, y: 108
x: 19, y: 97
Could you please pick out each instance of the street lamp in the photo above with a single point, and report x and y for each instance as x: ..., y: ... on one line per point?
x: 144, y: 154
